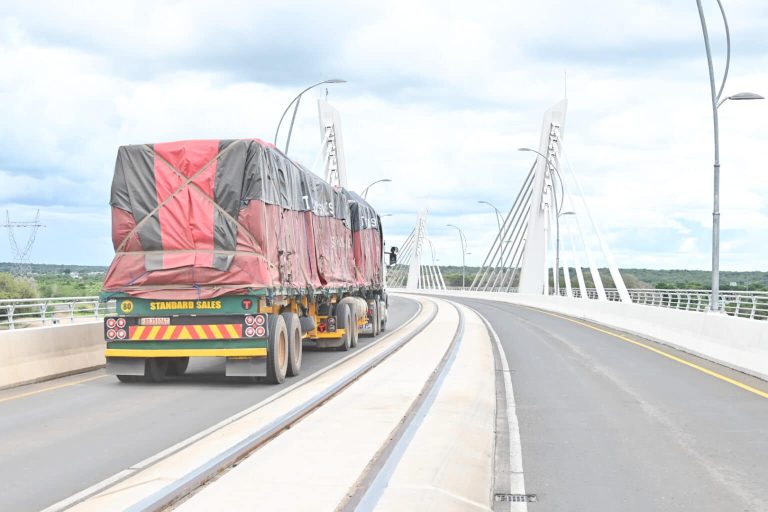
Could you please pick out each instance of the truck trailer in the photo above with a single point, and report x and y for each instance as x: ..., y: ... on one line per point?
x: 228, y: 248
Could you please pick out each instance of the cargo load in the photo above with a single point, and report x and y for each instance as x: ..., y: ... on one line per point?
x: 227, y: 248
x: 199, y: 219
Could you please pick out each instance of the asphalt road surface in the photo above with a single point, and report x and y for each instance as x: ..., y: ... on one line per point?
x: 62, y: 436
x: 608, y: 425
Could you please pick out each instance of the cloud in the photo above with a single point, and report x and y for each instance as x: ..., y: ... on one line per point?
x: 439, y: 98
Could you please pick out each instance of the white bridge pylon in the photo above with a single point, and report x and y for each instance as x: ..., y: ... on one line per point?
x: 536, y: 239
x: 410, y: 272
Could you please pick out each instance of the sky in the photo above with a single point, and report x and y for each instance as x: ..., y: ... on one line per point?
x: 438, y: 98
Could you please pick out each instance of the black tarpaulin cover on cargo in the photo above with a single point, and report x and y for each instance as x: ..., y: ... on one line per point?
x: 208, y: 217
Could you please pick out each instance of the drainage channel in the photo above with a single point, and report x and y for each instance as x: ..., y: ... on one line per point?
x: 186, y: 485
x: 372, y: 484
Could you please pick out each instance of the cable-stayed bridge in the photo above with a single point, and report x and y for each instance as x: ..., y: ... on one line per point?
x: 520, y: 391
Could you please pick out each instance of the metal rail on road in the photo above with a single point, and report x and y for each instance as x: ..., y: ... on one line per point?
x: 224, y: 460
x: 19, y: 313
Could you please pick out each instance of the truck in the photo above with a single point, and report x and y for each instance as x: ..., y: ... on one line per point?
x: 230, y: 249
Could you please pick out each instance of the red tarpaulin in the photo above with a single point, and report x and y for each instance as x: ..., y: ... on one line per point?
x: 198, y: 219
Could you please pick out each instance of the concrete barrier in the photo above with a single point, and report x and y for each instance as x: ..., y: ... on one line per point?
x: 739, y: 343
x: 40, y: 353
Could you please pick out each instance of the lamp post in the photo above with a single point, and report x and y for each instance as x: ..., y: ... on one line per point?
x: 297, y: 100
x: 498, y: 214
x: 558, y: 208
x: 716, y: 102
x: 364, y: 193
x: 463, y: 241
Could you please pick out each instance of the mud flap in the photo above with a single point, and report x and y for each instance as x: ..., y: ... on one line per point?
x: 125, y: 366
x: 246, y: 367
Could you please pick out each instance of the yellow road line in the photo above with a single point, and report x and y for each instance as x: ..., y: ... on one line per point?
x: 662, y: 353
x: 37, y: 392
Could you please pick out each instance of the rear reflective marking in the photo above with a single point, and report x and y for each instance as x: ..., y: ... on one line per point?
x: 186, y: 332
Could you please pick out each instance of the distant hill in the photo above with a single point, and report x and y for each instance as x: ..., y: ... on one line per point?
x: 45, y: 268
x: 633, y: 277
x: 647, y: 278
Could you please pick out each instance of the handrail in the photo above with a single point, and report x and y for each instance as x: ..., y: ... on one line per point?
x: 742, y: 304
x: 36, y: 312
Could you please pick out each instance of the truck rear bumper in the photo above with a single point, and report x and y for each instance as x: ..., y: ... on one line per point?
x: 185, y: 352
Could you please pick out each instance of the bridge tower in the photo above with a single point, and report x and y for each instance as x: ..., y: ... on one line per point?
x: 534, y: 272
x: 332, y: 147
x: 533, y: 238
x: 410, y: 272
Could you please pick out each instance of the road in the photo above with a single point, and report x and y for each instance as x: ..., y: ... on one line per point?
x: 61, y: 436
x: 609, y: 425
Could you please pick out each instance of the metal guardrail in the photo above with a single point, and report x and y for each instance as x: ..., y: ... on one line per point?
x: 740, y: 304
x: 20, y: 313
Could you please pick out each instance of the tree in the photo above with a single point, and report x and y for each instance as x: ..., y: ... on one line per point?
x: 16, y: 288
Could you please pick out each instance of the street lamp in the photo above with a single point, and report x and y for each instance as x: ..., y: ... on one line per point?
x: 741, y: 97
x: 463, y: 241
x: 498, y: 214
x: 297, y: 100
x: 558, y: 208
x: 364, y: 193
x: 714, y: 300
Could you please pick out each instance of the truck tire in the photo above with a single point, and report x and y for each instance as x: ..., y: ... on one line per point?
x: 344, y: 321
x: 177, y: 366
x: 383, y: 315
x: 376, y: 317
x: 355, y: 331
x: 293, y: 327
x: 277, y: 350
x: 155, y: 369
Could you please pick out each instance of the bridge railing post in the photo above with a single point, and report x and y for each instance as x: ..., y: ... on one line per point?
x: 10, y: 309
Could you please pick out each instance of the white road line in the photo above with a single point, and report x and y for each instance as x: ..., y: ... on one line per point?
x: 517, y: 480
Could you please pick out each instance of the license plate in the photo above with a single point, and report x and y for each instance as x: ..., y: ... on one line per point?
x: 155, y: 321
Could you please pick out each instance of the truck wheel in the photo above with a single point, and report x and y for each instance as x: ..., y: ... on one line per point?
x: 355, y: 332
x: 344, y: 321
x: 376, y: 318
x: 277, y: 350
x: 155, y: 369
x: 383, y: 314
x: 177, y: 366
x: 293, y: 327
